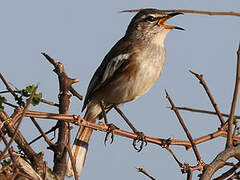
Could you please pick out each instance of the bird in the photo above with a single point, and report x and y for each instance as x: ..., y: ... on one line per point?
x: 127, y: 72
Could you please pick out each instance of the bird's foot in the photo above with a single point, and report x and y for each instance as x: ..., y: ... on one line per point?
x: 111, y: 128
x: 140, y: 138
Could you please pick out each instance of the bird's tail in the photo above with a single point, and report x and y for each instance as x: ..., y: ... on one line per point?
x: 80, y: 148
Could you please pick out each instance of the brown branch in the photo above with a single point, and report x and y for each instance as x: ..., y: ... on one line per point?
x: 210, y: 13
x: 47, y: 132
x: 49, y: 102
x: 7, y: 86
x: 14, y: 133
x: 200, y: 77
x: 9, y: 149
x: 20, y: 140
x: 77, y: 120
x: 200, y: 161
x: 48, y: 141
x: 75, y: 93
x: 19, y: 122
x: 204, y: 111
x: 142, y: 170
x: 228, y: 173
x: 219, y: 161
x: 174, y: 156
x: 11, y: 105
x: 229, y: 142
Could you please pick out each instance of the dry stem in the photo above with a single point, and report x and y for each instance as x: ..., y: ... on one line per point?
x: 229, y: 142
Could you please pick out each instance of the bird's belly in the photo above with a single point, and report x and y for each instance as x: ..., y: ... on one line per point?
x: 130, y: 86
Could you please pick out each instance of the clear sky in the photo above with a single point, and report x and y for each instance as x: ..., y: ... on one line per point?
x: 80, y: 33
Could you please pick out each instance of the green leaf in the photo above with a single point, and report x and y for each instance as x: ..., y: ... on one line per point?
x: 37, y: 99
x: 26, y: 93
x: 30, y: 88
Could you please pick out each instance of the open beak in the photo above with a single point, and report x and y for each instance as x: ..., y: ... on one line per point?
x: 161, y: 22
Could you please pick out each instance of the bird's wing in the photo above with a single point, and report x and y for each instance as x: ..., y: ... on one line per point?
x: 115, y: 60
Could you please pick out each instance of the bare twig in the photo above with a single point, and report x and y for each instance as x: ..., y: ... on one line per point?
x: 200, y: 77
x: 142, y: 170
x: 175, y: 157
x: 7, y: 86
x: 48, y: 141
x: 210, y: 13
x: 103, y: 112
x: 75, y: 93
x: 185, y: 129
x: 9, y: 149
x: 47, y: 132
x: 11, y: 105
x: 229, y: 142
x: 125, y: 118
x: 204, y: 111
x: 49, y: 102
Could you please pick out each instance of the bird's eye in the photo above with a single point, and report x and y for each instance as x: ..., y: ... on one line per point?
x: 150, y: 18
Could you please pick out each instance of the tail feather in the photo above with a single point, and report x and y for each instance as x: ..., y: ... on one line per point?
x: 79, y: 150
x: 80, y: 145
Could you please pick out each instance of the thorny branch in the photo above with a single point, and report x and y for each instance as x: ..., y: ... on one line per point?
x: 200, y: 77
x: 65, y: 85
x: 199, y: 159
x: 78, y: 120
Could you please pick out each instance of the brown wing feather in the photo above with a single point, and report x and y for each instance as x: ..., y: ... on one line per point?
x: 101, y: 77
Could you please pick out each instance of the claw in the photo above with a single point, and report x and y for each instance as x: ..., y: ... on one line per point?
x: 140, y: 137
x: 111, y: 128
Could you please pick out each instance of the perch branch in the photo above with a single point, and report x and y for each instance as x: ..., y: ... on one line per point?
x: 77, y: 120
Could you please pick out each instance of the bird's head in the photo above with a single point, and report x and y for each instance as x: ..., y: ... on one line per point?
x: 148, y: 23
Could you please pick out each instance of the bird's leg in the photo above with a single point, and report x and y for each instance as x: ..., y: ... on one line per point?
x: 111, y: 127
x: 140, y: 135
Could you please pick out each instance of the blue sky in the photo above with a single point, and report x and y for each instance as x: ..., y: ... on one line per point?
x: 80, y: 33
